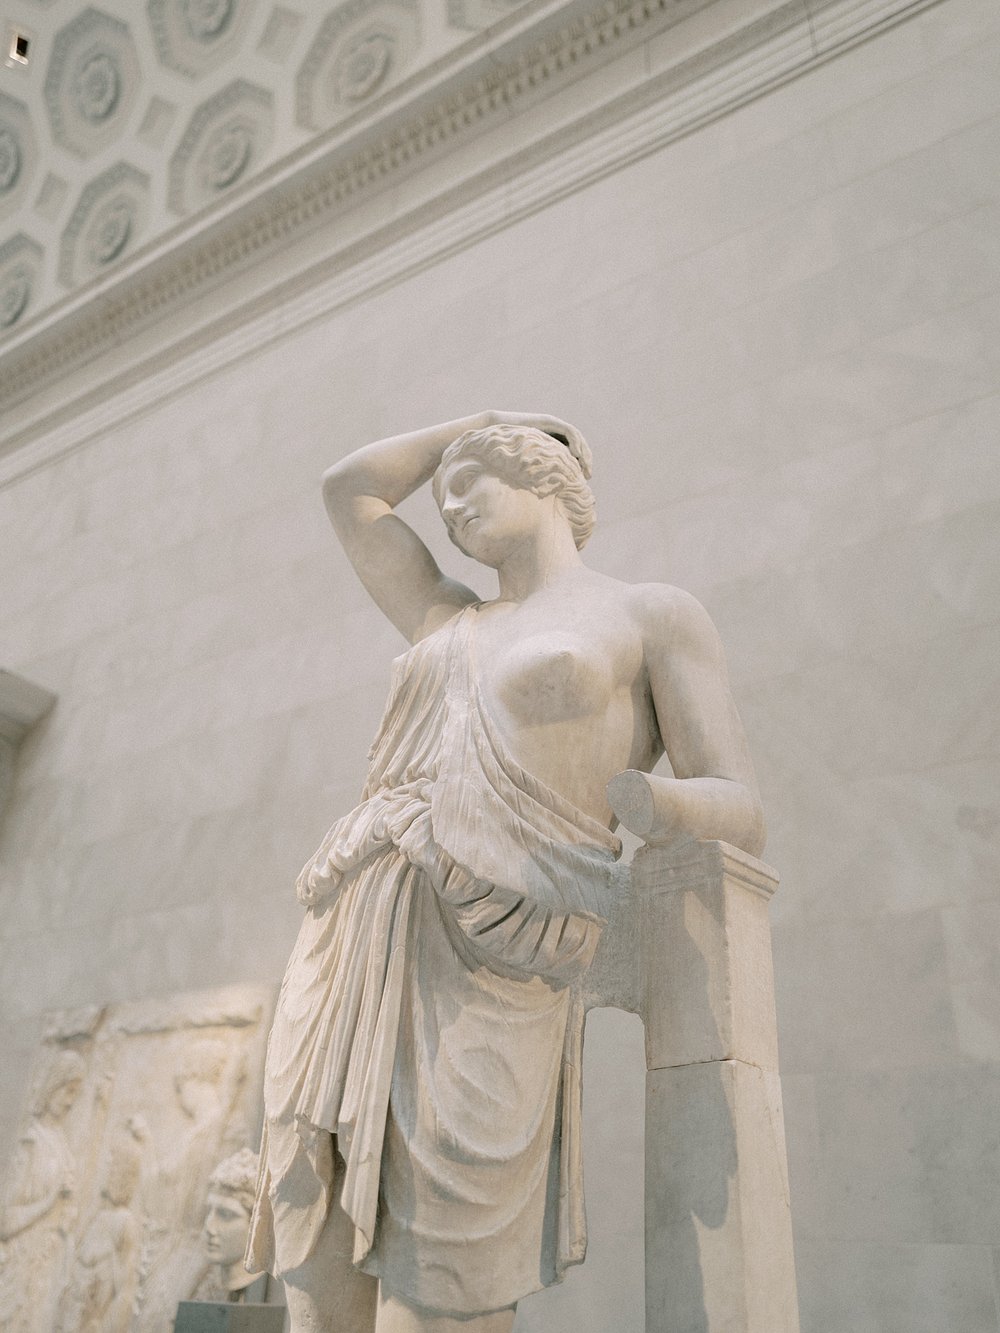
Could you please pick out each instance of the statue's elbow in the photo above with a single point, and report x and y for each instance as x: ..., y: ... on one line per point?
x: 336, y: 489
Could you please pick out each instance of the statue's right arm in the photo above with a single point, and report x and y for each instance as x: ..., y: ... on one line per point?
x: 399, y: 572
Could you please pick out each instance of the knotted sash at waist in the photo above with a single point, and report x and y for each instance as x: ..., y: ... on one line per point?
x: 553, y: 939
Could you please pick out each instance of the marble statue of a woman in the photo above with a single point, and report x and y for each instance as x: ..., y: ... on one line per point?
x: 421, y: 1155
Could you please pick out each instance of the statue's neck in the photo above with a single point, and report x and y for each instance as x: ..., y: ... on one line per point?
x: 537, y: 563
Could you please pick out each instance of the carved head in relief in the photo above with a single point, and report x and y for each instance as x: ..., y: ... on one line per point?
x: 61, y: 1085
x: 227, y: 1217
x: 523, y: 458
x: 198, y: 1079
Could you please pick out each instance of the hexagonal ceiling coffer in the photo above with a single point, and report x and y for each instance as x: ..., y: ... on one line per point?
x: 18, y: 152
x: 362, y: 47
x: 109, y: 218
x: 227, y: 138
x: 91, y: 82
x: 20, y: 275
x: 193, y: 36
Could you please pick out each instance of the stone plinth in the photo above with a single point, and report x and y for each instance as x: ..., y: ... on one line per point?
x: 223, y: 1317
x: 719, y: 1253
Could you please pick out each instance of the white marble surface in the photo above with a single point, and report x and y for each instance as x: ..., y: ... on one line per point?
x: 829, y: 489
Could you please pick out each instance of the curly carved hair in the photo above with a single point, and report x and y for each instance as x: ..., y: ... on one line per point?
x: 237, y: 1176
x: 530, y: 460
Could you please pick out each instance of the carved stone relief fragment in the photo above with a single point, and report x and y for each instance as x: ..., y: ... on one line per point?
x: 132, y: 1109
x: 91, y: 82
x: 41, y: 1204
x: 361, y: 48
x: 228, y: 136
x: 107, y: 220
x: 193, y: 36
x: 20, y: 264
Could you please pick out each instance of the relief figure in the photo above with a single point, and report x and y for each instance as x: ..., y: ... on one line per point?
x: 207, y: 1084
x: 101, y: 1294
x: 37, y: 1223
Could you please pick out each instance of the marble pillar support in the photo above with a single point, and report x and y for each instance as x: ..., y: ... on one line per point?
x: 22, y: 704
x: 719, y: 1253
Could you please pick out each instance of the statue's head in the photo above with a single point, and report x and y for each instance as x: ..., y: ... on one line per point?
x: 231, y: 1189
x: 61, y: 1084
x: 529, y: 459
x: 236, y: 1177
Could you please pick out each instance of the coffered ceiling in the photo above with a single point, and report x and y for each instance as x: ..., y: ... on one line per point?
x: 183, y: 179
x: 121, y: 119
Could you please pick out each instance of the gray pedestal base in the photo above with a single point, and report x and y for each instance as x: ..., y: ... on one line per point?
x: 227, y: 1317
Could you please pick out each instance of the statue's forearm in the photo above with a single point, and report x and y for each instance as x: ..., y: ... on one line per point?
x: 394, y: 468
x: 667, y: 810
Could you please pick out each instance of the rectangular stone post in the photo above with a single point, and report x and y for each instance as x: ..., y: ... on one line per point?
x: 718, y: 1225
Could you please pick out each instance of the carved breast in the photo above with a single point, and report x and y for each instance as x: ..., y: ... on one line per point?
x: 548, y: 678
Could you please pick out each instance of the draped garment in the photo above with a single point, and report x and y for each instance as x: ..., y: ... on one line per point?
x: 35, y: 1261
x: 430, y: 1018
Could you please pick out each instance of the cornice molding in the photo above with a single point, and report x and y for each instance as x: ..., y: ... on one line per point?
x: 204, y: 296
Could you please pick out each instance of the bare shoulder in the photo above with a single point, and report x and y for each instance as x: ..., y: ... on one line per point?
x: 670, y: 617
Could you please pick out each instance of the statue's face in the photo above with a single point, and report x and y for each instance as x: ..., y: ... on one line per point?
x: 226, y: 1225
x: 485, y: 515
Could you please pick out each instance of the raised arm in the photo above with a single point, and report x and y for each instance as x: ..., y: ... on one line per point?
x: 713, y: 793
x: 397, y: 569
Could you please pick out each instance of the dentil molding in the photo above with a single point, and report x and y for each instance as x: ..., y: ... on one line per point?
x: 543, y: 94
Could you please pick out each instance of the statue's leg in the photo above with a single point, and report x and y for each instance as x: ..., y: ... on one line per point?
x: 327, y: 1294
x: 395, y: 1316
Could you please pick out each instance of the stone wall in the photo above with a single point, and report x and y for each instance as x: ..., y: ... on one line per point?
x: 779, y: 334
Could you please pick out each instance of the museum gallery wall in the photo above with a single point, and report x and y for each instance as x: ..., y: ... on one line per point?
x: 778, y: 332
